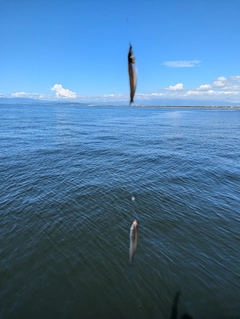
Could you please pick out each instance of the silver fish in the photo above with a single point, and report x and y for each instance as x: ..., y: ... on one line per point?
x: 133, y: 241
x: 132, y: 70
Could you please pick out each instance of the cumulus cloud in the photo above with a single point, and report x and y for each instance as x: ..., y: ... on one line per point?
x: 231, y: 87
x: 177, y: 87
x: 235, y: 78
x: 61, y: 92
x: 213, y: 94
x: 220, y: 82
x: 199, y: 93
x: 221, y: 89
x: 182, y: 63
x: 204, y: 87
x: 223, y: 83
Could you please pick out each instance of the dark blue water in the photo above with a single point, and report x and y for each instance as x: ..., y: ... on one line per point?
x: 68, y: 174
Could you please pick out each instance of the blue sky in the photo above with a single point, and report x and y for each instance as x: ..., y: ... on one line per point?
x: 69, y: 49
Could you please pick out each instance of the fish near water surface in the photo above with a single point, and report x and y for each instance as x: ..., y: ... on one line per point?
x: 133, y: 241
x: 132, y: 70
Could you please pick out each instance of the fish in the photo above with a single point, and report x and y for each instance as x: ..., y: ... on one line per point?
x: 132, y: 71
x: 133, y: 241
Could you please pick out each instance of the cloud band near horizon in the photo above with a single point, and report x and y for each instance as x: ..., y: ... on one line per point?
x: 221, y: 88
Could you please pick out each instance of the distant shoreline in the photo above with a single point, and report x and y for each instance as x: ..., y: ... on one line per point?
x: 57, y: 103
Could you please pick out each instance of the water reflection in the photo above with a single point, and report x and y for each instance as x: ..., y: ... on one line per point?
x: 174, y: 312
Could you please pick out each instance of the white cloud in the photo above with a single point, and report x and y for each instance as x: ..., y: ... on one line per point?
x: 125, y: 97
x: 231, y: 87
x: 221, y: 89
x: 199, y: 93
x: 112, y: 97
x: 223, y: 83
x: 109, y: 95
x: 61, y: 92
x: 145, y: 96
x: 235, y: 78
x: 220, y: 82
x: 213, y: 94
x: 28, y: 95
x: 155, y: 94
x: 177, y: 87
x: 204, y: 87
x: 182, y: 63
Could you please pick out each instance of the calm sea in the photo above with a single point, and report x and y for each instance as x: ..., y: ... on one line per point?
x: 68, y: 179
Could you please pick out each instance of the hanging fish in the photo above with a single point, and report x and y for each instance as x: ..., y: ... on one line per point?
x: 132, y: 70
x: 133, y: 241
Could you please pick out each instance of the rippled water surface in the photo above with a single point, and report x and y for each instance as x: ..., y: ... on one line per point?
x: 68, y: 175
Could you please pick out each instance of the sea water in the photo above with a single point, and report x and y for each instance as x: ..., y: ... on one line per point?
x: 68, y: 177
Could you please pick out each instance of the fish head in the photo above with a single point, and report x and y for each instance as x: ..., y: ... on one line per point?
x: 135, y: 223
x: 131, y: 57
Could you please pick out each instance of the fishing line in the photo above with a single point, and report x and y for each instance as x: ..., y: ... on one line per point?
x: 128, y: 21
x: 128, y: 32
x: 134, y: 213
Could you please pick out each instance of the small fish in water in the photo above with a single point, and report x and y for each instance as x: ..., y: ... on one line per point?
x: 132, y: 70
x: 133, y: 241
